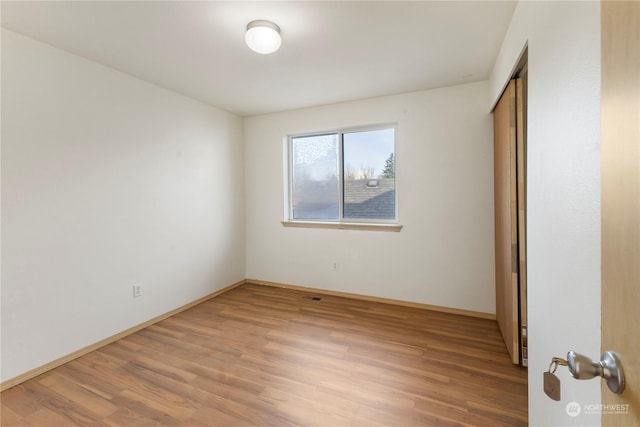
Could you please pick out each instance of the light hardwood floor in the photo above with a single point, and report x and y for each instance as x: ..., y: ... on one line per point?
x: 262, y: 356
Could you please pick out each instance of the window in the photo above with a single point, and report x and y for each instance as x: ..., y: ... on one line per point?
x: 343, y: 176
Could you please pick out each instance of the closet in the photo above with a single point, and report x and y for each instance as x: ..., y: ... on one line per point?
x: 509, y: 126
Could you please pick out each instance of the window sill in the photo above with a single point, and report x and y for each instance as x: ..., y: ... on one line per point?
x: 367, y: 226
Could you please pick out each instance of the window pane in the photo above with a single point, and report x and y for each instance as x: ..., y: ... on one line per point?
x: 369, y: 174
x: 315, y: 193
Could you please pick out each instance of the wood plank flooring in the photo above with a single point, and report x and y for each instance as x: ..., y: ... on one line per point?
x: 261, y: 356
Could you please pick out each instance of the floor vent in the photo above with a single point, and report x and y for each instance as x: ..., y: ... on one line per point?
x: 310, y: 298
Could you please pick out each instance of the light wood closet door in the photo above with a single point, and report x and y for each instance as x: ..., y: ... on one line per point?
x: 621, y: 203
x: 506, y: 225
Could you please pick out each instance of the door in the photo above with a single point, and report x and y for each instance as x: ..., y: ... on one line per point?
x: 621, y: 203
x: 508, y: 131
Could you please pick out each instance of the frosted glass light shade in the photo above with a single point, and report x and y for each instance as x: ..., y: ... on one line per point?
x: 263, y: 36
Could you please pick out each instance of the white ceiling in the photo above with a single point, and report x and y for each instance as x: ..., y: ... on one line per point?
x: 331, y: 51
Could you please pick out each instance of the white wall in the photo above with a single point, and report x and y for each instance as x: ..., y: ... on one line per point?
x: 107, y: 181
x: 444, y: 254
x: 564, y: 193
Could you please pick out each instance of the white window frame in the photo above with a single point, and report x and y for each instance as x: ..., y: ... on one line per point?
x: 341, y: 222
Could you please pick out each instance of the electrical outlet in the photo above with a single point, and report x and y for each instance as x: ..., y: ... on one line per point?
x: 137, y: 290
x: 334, y: 266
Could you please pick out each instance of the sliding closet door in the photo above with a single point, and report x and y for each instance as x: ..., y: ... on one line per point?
x: 521, y: 150
x: 506, y: 211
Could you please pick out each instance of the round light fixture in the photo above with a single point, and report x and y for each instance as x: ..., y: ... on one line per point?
x: 263, y: 36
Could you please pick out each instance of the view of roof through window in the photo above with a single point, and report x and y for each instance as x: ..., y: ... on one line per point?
x: 358, y: 165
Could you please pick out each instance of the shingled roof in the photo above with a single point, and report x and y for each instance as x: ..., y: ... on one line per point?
x: 363, y: 199
x: 370, y: 198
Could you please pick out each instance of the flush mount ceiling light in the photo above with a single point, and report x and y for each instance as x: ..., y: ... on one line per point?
x: 263, y: 36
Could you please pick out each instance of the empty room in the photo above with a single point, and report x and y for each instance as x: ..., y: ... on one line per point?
x: 320, y: 213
